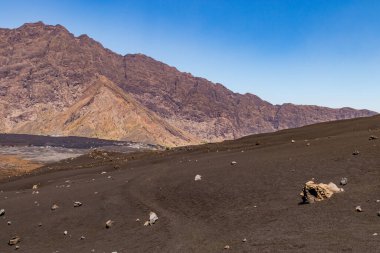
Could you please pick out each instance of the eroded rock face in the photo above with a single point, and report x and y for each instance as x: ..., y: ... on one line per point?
x: 313, y: 192
x: 49, y: 75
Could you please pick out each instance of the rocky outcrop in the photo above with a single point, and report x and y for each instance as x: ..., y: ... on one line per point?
x: 52, y: 82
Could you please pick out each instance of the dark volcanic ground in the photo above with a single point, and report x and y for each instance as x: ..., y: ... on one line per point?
x: 257, y: 199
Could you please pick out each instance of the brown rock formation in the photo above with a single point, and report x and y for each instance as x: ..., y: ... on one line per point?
x: 52, y: 82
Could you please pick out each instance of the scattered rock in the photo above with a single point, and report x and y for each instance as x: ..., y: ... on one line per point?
x: 109, y: 223
x: 2, y: 212
x: 373, y: 137
x: 54, y: 207
x: 17, y: 247
x: 77, y: 204
x: 9, y: 223
x: 244, y: 240
x: 103, y: 172
x: 374, y: 234
x: 65, y: 232
x: 358, y: 209
x: 293, y: 141
x: 82, y: 237
x: 198, y: 178
x: 35, y: 187
x: 343, y: 181
x: 146, y: 223
x: 308, y: 144
x: 40, y: 224
x: 378, y: 213
x: 378, y: 201
x: 16, y: 239
x: 137, y: 220
x: 356, y: 152
x: 233, y: 163
x: 227, y: 247
x: 312, y: 191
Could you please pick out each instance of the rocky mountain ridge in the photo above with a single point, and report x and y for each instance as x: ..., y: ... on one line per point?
x: 52, y: 82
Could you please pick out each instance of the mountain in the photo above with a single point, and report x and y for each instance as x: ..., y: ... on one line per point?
x: 52, y: 82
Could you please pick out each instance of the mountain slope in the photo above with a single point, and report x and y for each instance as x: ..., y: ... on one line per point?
x: 45, y: 70
x: 106, y: 111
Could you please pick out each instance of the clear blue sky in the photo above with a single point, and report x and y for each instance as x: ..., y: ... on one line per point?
x: 323, y: 52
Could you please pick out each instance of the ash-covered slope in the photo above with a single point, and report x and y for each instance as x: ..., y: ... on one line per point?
x: 256, y: 199
x: 45, y: 70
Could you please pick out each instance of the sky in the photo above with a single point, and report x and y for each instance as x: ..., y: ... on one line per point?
x: 321, y: 52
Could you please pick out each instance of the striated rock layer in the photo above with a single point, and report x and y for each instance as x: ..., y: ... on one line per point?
x: 52, y: 82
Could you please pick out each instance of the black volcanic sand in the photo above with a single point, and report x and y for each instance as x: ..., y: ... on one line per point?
x: 257, y: 199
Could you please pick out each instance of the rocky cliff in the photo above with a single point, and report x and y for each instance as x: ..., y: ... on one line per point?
x: 52, y: 82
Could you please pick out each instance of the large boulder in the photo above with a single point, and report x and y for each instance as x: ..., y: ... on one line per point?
x: 312, y: 191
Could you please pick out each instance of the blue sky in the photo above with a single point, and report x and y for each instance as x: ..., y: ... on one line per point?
x: 323, y: 52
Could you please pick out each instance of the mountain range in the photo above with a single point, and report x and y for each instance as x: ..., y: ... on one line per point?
x: 54, y: 83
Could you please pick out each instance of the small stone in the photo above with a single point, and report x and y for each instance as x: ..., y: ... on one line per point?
x: 293, y: 141
x: 54, y: 207
x: 378, y: 201
x: 244, y: 240
x: 227, y: 247
x: 82, y: 237
x: 40, y: 224
x: 358, y: 209
x: 356, y: 152
x: 109, y: 223
x: 378, y: 213
x: 308, y: 144
x: 77, y: 204
x: 17, y: 247
x: 198, y: 178
x: 374, y: 234
x: 233, y: 163
x: 35, y: 187
x: 65, y: 232
x: 152, y: 218
x: 146, y: 223
x: 343, y: 181
x: 137, y: 220
x: 373, y: 137
x: 2, y: 212
x: 16, y: 239
x: 103, y: 172
x: 9, y: 223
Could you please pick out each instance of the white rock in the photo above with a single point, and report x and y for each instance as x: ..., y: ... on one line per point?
x: 198, y: 178
x: 54, y: 207
x: 65, y: 232
x: 152, y: 218
x: 334, y: 188
x: 35, y: 187
x: 109, y: 223
x: 233, y: 163
x: 77, y: 204
x: 2, y: 212
x: 358, y: 209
